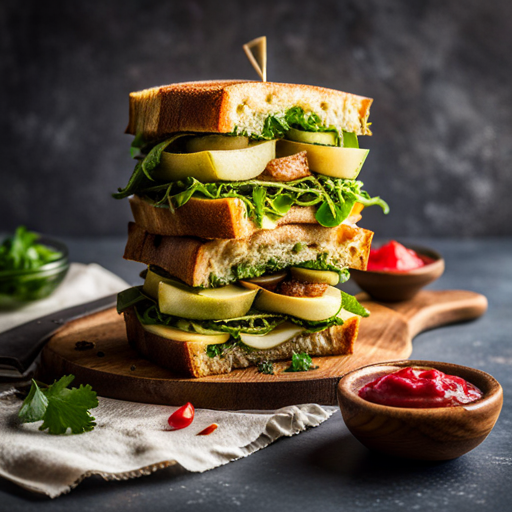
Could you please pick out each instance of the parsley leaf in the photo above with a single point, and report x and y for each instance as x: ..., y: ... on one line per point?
x: 301, y: 363
x: 59, y: 407
x: 266, y: 367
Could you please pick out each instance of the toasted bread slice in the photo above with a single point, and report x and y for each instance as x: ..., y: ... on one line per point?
x: 190, y: 358
x: 216, y: 262
x: 214, y: 218
x: 226, y: 106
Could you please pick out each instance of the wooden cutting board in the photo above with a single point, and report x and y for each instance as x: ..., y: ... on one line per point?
x: 115, y: 370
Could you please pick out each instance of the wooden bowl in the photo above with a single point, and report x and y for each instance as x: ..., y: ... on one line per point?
x: 440, y: 433
x: 395, y: 286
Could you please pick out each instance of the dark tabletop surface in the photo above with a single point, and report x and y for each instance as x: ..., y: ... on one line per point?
x: 325, y: 468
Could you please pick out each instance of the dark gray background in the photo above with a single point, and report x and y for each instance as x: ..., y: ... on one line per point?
x: 440, y: 72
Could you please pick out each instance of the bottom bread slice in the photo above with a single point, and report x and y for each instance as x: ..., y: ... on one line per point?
x: 190, y: 358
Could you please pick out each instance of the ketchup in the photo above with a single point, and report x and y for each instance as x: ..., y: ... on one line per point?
x: 420, y: 388
x: 394, y: 256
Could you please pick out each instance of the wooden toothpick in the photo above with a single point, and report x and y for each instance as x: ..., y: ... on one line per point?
x: 256, y: 51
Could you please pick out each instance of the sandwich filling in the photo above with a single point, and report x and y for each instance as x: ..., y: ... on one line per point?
x: 246, y: 203
x: 171, y: 172
x: 256, y: 314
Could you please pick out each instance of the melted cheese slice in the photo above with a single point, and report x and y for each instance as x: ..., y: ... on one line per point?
x: 282, y: 333
x: 178, y: 335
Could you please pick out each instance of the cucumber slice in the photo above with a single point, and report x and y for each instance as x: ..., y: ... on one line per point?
x: 216, y: 143
x: 322, y: 138
x: 315, y: 276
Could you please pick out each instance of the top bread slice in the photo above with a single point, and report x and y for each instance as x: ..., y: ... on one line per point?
x: 228, y: 106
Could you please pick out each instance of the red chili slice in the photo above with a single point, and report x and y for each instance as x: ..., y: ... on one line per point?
x: 182, y: 417
x: 208, y: 430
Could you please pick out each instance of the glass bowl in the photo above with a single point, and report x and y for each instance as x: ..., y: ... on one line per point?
x: 21, y: 287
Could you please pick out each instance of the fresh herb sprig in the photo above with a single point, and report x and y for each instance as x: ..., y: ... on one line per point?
x: 266, y: 367
x: 276, y: 125
x: 301, y: 363
x: 59, y: 407
x: 21, y: 252
x: 334, y: 197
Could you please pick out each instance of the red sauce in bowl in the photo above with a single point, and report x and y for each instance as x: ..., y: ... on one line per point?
x: 395, y: 257
x: 420, y: 388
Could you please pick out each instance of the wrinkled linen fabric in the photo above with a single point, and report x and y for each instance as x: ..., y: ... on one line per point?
x: 133, y: 439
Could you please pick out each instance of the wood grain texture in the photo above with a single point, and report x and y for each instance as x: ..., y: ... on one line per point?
x: 115, y: 370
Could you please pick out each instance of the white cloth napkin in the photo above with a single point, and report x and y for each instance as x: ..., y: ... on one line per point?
x: 83, y: 283
x: 130, y: 439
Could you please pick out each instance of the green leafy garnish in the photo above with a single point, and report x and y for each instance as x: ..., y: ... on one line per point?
x: 335, y: 197
x: 350, y: 140
x: 21, y: 252
x: 59, y: 407
x: 276, y: 125
x: 352, y: 305
x: 129, y: 297
x: 266, y: 367
x: 301, y: 363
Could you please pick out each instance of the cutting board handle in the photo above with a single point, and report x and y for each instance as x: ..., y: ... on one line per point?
x: 431, y: 309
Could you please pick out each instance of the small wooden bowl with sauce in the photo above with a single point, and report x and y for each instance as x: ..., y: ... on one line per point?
x: 397, y: 286
x: 436, y: 433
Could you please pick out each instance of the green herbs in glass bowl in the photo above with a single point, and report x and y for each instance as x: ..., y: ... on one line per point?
x: 31, y: 268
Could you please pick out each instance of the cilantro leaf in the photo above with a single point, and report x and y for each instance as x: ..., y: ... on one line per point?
x: 59, y: 407
x: 301, y: 363
x: 34, y: 406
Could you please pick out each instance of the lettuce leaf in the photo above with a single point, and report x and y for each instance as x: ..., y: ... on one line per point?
x: 334, y: 197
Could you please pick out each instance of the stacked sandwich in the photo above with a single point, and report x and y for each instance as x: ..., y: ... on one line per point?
x: 245, y: 202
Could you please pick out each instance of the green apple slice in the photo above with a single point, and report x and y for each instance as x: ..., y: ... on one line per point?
x: 328, y: 160
x: 178, y: 335
x: 150, y: 287
x: 307, y: 308
x: 216, y: 142
x: 323, y: 138
x: 209, y: 304
x: 315, y: 276
x: 217, y: 165
x: 283, y: 332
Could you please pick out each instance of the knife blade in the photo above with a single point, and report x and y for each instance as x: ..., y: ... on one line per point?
x: 20, y: 346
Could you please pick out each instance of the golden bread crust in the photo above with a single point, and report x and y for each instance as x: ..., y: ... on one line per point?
x: 195, y: 261
x: 221, y: 106
x: 213, y: 218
